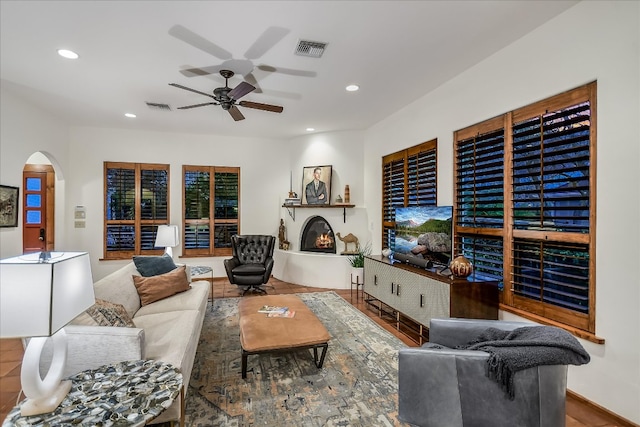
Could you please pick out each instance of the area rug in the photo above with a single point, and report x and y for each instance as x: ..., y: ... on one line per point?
x: 357, y: 386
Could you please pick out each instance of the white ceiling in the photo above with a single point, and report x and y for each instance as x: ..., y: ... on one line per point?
x: 130, y: 51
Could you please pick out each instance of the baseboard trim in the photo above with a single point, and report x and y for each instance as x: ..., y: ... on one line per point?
x: 620, y: 421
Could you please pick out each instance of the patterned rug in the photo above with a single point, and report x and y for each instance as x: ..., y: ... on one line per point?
x: 357, y: 386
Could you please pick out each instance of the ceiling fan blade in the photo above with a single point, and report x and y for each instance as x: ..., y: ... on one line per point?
x: 191, y: 90
x: 259, y: 106
x: 199, y: 42
x: 197, y: 105
x: 201, y: 71
x: 241, y: 90
x: 266, y: 41
x: 251, y: 79
x: 235, y: 113
x: 289, y: 71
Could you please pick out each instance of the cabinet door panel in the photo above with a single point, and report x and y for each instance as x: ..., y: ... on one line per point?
x: 377, y: 280
x: 435, y: 297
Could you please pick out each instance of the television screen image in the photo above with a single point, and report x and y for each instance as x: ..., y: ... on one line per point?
x: 424, y: 233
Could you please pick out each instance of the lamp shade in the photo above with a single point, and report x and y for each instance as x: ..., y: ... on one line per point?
x: 167, y: 236
x: 38, y: 297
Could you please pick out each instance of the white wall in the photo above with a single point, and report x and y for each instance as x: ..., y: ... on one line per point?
x: 26, y: 130
x: 344, y: 152
x: 591, y: 41
x: 264, y: 176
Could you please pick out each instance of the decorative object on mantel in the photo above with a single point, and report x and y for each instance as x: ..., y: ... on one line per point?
x: 386, y: 252
x: 349, y: 238
x: 292, y: 194
x: 347, y: 194
x: 339, y: 199
x: 8, y: 206
x: 295, y: 201
x: 285, y: 245
x: 461, y: 266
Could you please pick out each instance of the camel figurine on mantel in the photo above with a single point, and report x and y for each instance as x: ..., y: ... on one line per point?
x: 349, y: 238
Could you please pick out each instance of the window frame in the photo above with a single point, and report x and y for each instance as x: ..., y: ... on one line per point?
x: 404, y: 157
x: 579, y: 323
x: 137, y: 222
x: 212, y: 250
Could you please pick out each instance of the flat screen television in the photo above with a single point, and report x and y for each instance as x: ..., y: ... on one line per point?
x: 423, y: 234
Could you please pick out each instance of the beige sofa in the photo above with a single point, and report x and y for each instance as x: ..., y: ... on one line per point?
x: 166, y: 330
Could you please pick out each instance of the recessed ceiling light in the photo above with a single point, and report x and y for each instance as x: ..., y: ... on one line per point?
x: 130, y: 115
x: 69, y: 54
x: 310, y: 129
x: 352, y: 88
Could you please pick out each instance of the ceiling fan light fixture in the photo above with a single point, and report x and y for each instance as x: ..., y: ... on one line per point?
x: 352, y: 88
x: 69, y: 54
x: 310, y: 48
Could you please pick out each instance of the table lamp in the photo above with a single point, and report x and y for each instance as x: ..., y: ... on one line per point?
x: 167, y: 236
x: 39, y: 295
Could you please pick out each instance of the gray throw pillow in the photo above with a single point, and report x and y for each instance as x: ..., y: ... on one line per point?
x: 149, y: 266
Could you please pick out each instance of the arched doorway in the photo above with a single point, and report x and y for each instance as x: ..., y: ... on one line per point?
x: 38, y: 204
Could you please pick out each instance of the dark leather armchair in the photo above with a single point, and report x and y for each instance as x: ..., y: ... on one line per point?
x: 441, y: 386
x: 252, y: 261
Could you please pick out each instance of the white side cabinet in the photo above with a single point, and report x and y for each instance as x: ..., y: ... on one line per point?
x: 401, y: 290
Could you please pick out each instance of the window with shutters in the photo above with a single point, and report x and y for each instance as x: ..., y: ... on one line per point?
x: 408, y: 179
x: 479, y: 199
x: 136, y: 202
x: 211, y: 209
x: 525, y: 203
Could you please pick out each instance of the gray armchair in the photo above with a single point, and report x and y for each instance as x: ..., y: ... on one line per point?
x: 252, y: 261
x: 440, y: 386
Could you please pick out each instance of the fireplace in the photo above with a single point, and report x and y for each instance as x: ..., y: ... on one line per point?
x: 317, y: 236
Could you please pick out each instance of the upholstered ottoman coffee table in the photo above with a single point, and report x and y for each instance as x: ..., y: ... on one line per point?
x: 262, y: 334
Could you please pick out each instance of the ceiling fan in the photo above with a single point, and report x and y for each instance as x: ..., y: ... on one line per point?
x: 267, y: 40
x: 228, y: 98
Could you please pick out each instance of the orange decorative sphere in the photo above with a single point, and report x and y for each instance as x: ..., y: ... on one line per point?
x: 461, y: 266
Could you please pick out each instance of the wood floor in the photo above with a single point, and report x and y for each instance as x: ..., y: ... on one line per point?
x: 579, y: 413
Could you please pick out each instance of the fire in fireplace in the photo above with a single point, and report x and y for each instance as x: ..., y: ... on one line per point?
x: 317, y: 236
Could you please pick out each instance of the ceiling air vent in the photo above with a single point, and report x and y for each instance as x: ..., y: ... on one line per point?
x: 156, y: 106
x: 309, y: 48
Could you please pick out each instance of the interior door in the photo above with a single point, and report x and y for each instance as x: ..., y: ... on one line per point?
x: 37, y: 208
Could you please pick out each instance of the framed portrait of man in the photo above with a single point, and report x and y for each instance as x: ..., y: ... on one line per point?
x: 316, y: 185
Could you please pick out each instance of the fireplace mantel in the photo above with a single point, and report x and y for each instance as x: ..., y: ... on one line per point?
x: 292, y: 209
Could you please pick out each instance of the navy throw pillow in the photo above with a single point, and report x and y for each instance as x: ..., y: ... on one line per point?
x: 149, y: 266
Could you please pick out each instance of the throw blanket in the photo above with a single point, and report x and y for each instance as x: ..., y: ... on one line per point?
x: 526, y: 347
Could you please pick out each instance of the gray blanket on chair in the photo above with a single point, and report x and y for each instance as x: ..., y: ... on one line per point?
x: 526, y: 347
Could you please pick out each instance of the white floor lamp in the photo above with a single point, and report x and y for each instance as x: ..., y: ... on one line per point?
x: 39, y: 295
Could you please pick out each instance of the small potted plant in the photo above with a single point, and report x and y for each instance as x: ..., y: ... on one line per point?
x: 357, y: 263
